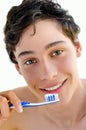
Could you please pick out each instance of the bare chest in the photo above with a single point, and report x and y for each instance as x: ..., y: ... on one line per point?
x: 38, y: 123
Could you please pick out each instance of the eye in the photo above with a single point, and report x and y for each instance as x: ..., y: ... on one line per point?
x: 56, y: 53
x: 31, y: 61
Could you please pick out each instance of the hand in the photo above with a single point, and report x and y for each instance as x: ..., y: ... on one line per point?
x: 5, y: 98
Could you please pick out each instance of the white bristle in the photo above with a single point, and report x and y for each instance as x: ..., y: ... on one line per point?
x: 51, y: 97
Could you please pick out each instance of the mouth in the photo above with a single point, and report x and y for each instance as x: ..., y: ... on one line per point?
x: 54, y: 89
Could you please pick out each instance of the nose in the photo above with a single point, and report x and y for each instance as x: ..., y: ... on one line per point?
x: 49, y: 71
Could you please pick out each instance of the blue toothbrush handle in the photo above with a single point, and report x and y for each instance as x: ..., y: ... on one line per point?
x: 23, y: 103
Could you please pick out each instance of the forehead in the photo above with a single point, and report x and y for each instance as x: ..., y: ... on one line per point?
x: 41, y: 28
x: 45, y: 25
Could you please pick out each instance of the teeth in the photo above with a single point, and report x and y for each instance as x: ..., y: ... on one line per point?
x: 53, y: 88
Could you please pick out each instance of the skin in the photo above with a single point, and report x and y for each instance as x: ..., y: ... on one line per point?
x: 46, y: 59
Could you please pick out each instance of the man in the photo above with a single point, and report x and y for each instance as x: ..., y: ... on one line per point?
x: 42, y: 41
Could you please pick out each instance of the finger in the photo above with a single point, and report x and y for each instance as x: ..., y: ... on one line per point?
x: 4, y: 108
x: 12, y: 97
x: 16, y: 103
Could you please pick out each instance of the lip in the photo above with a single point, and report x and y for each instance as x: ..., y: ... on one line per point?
x: 56, y: 90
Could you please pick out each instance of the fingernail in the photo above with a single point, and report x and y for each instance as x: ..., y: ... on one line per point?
x: 20, y: 109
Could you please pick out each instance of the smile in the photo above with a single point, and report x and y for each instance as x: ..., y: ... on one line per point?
x: 55, y: 88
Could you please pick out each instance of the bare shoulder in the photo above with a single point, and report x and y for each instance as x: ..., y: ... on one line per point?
x: 20, y: 90
x: 24, y: 93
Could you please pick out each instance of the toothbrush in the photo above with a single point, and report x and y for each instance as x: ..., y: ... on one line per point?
x: 49, y: 99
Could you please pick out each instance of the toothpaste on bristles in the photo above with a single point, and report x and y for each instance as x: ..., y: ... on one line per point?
x: 52, y: 97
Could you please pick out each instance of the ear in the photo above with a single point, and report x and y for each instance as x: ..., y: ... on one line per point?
x: 78, y: 47
x: 18, y: 68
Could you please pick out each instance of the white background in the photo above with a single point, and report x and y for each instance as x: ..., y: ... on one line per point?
x: 9, y: 77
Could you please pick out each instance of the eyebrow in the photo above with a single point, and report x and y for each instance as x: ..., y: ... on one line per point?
x: 46, y: 47
x: 53, y: 44
x: 25, y: 53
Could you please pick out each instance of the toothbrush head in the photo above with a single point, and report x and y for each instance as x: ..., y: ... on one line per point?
x: 51, y: 98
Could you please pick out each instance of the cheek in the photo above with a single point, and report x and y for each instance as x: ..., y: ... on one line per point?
x: 68, y: 63
x: 30, y: 75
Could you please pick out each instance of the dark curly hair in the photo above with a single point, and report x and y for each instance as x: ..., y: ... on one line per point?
x: 27, y: 13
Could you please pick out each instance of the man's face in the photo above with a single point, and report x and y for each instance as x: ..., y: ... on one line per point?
x: 47, y: 60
